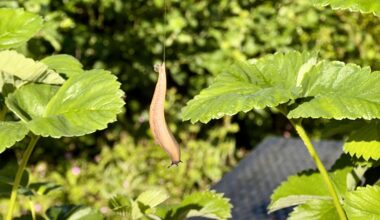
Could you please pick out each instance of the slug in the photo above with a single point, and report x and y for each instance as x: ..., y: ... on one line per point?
x: 157, y: 122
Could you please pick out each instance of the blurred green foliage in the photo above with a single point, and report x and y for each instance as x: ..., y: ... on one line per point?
x: 149, y: 205
x: 129, y: 168
x: 202, y: 38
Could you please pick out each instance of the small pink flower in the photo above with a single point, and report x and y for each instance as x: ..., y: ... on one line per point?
x: 142, y: 119
x: 126, y: 184
x: 97, y: 158
x: 38, y: 207
x: 75, y: 170
x: 104, y: 210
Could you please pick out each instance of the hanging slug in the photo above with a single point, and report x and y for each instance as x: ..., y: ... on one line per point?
x: 158, y: 126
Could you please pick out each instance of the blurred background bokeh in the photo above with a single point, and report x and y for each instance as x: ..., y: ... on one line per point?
x: 202, y: 38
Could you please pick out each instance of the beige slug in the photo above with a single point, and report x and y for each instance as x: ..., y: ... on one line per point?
x: 158, y: 126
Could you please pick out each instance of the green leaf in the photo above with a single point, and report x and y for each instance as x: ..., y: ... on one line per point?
x: 270, y: 81
x: 16, y: 67
x: 314, y: 210
x: 334, y: 90
x: 355, y: 177
x: 63, y: 63
x: 308, y: 186
x: 126, y: 207
x: 331, y: 90
x: 120, y: 204
x: 299, y: 189
x: 10, y: 133
x: 364, y: 6
x: 30, y: 101
x: 39, y: 188
x: 152, y: 198
x: 346, y: 174
x: 71, y: 212
x: 85, y: 103
x: 365, y: 163
x: 203, y: 204
x: 363, y: 203
x: 365, y: 141
x: 44, y: 188
x: 9, y: 83
x: 85, y: 213
x: 17, y: 27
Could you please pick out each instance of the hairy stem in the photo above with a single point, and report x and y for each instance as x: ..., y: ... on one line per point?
x: 309, y: 146
x: 20, y: 171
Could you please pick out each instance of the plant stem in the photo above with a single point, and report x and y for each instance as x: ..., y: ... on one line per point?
x: 20, y: 171
x: 3, y: 112
x: 32, y: 209
x: 309, y: 146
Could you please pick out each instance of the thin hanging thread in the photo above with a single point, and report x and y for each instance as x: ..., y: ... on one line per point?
x: 163, y: 41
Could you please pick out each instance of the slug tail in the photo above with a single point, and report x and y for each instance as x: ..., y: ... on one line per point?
x: 175, y: 163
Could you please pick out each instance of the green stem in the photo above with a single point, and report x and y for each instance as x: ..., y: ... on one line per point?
x: 20, y: 171
x: 3, y: 112
x: 32, y: 209
x: 309, y: 146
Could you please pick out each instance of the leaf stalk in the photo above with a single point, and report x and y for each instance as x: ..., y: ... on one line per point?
x: 314, y: 155
x: 20, y: 171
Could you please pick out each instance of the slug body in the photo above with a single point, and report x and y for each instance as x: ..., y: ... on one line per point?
x: 157, y: 122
